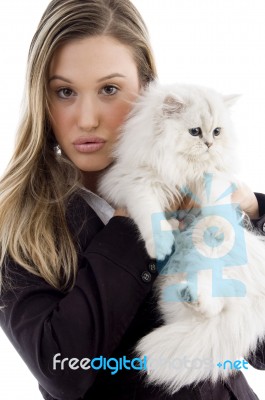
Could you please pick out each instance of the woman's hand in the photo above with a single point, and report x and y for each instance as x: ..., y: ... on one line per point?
x: 186, y: 211
x: 246, y: 200
x: 242, y: 196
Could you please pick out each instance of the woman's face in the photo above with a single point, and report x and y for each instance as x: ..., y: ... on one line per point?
x: 93, y: 83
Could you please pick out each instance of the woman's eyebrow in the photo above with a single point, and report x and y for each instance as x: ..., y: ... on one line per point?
x: 59, y: 77
x: 114, y: 75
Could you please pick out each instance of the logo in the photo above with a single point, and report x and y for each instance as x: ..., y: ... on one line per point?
x: 228, y: 364
x: 179, y: 363
x: 212, y: 240
x: 97, y: 363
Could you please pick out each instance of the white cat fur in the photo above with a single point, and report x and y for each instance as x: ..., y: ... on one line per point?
x: 155, y: 158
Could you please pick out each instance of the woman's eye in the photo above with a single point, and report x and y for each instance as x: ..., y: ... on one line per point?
x: 64, y: 93
x: 109, y: 90
x: 217, y: 131
x: 195, y: 131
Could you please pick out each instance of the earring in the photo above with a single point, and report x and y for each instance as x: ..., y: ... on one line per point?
x: 57, y: 149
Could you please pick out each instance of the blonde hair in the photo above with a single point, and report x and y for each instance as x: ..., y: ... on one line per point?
x: 38, y: 181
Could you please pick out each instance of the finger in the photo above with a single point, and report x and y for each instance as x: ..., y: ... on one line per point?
x: 188, y: 203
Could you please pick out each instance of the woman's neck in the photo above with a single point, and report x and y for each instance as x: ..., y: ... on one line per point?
x: 90, y: 180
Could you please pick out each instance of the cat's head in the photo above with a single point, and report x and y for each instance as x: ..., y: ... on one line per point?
x: 193, y: 123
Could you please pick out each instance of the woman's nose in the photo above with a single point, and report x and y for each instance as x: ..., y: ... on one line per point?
x: 87, y: 114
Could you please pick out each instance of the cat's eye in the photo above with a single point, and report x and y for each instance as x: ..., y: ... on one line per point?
x: 195, y: 131
x: 216, y: 131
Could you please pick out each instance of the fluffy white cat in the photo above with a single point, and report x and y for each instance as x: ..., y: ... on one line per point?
x: 162, y: 151
x: 179, y: 140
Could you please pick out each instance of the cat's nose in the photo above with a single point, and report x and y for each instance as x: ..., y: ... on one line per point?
x: 208, y: 144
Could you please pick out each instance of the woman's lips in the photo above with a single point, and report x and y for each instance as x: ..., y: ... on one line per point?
x: 88, y: 145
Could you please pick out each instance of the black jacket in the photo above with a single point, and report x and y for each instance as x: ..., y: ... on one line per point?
x: 107, y: 311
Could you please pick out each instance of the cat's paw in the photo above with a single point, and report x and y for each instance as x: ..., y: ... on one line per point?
x: 206, y: 307
x: 160, y: 245
x: 200, y: 301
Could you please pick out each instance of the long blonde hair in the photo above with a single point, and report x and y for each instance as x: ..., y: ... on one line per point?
x: 38, y: 181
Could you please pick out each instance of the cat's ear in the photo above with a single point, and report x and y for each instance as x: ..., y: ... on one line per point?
x: 172, y: 106
x: 231, y: 99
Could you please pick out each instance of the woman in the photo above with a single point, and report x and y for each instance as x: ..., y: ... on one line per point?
x: 75, y: 279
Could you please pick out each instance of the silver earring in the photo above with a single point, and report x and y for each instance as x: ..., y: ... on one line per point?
x: 58, y: 150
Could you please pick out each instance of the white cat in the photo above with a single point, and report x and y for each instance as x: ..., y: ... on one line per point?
x: 211, y: 293
x: 168, y: 145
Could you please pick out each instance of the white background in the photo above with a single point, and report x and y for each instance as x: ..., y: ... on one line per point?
x: 215, y: 43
